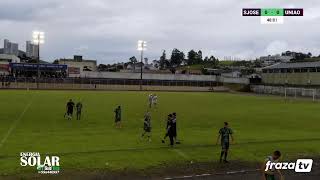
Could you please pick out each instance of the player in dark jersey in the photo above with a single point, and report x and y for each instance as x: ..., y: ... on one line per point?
x: 147, y: 126
x: 224, y: 136
x: 79, y: 110
x: 117, y: 118
x: 167, y: 127
x: 171, y: 131
x: 174, y: 124
x: 69, y: 107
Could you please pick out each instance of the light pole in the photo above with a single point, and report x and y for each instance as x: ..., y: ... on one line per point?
x: 141, y: 47
x: 38, y: 38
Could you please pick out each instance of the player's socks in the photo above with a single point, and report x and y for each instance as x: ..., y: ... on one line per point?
x: 221, y: 155
x: 142, y: 135
x: 177, y: 141
x: 225, y: 156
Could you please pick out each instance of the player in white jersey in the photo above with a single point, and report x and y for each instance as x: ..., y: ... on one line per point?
x: 155, y: 100
x: 150, y: 99
x: 269, y: 173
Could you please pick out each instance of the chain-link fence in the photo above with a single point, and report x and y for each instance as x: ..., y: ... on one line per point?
x: 106, y: 84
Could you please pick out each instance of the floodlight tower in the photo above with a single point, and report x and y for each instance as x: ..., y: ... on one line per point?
x: 38, y: 38
x: 141, y: 47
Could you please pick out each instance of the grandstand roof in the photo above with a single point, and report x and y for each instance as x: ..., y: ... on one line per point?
x: 294, y: 65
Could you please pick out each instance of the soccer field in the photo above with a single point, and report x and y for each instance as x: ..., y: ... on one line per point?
x: 32, y: 121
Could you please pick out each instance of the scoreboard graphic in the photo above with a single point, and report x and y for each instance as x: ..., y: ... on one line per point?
x: 272, y: 15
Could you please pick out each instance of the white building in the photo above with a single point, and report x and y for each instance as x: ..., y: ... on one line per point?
x: 269, y: 60
x: 233, y: 74
x: 5, y: 59
x: 78, y: 65
x: 10, y: 48
x: 9, y: 58
x: 31, y: 50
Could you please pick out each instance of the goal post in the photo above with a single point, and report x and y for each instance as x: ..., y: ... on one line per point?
x: 290, y: 92
x: 309, y: 93
x: 300, y: 92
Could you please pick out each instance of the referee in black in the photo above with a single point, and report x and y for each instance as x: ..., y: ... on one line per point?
x: 69, y: 108
x: 171, y: 131
x: 174, y: 124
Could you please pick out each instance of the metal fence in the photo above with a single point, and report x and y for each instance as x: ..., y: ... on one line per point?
x: 106, y: 84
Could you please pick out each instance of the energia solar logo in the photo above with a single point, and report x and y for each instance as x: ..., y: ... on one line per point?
x: 47, y: 165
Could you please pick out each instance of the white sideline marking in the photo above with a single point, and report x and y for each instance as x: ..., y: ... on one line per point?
x: 185, y: 156
x: 14, y: 124
x: 187, y: 176
x: 203, y: 175
x: 236, y: 172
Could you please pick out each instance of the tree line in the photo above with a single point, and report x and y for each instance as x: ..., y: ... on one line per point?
x: 179, y: 58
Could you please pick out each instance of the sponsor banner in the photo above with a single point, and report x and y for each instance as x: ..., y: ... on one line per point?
x: 42, y: 164
x: 74, y: 70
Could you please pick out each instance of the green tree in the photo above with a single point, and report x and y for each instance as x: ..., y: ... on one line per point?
x: 199, y: 59
x: 133, y: 60
x: 56, y: 61
x: 163, y: 63
x: 214, y: 61
x: 206, y: 59
x: 176, y: 57
x: 192, y: 57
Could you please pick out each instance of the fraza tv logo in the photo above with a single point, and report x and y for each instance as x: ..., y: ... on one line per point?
x: 48, y: 165
x: 301, y: 165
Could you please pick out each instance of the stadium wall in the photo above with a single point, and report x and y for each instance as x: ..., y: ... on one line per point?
x: 111, y: 87
x: 167, y: 77
x: 120, y: 75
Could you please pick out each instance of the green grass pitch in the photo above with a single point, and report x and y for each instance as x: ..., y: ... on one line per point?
x: 32, y: 121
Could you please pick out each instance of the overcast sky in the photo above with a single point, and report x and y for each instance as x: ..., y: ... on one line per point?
x: 108, y: 30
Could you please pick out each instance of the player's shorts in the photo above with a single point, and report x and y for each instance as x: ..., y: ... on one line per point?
x: 225, y: 145
x: 174, y: 133
x: 117, y: 119
x: 70, y: 112
x: 270, y: 177
x: 147, y: 129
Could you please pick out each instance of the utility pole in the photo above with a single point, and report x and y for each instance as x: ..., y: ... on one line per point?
x: 141, y: 47
x: 38, y: 38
